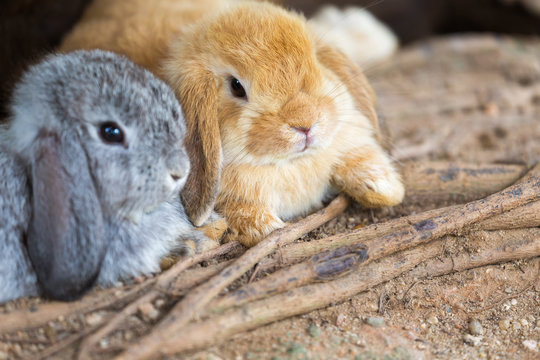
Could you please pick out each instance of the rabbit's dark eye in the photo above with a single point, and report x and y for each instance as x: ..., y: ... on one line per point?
x: 111, y: 133
x: 237, y: 88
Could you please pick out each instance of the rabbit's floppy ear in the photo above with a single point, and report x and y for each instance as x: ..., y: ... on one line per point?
x: 65, y: 240
x: 197, y: 92
x: 353, y: 78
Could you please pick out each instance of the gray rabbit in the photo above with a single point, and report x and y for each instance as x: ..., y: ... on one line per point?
x: 92, y: 162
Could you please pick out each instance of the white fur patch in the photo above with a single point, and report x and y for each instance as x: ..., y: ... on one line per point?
x: 355, y: 32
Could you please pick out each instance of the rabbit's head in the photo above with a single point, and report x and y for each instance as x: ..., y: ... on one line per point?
x: 101, y: 138
x: 258, y: 88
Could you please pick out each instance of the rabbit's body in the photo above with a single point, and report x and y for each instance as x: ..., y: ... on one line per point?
x: 277, y: 119
x: 17, y: 277
x: 91, y: 168
x: 139, y: 29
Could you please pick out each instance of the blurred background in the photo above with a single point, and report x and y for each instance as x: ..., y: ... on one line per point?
x: 31, y: 28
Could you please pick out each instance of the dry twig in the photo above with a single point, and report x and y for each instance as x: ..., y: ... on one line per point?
x: 307, y: 298
x: 325, y: 266
x: 198, y: 298
x: 162, y: 283
x: 414, y: 230
x: 407, y: 232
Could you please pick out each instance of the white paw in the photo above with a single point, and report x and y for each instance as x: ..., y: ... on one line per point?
x: 383, y: 191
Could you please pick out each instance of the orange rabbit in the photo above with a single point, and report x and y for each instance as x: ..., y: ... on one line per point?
x: 278, y: 121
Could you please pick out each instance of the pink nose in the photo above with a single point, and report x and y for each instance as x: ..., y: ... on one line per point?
x: 303, y: 130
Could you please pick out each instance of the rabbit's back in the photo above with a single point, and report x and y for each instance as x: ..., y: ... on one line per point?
x: 138, y: 29
x: 16, y: 275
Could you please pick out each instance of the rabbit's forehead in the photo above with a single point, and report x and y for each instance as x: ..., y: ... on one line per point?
x: 270, y: 48
x: 135, y: 101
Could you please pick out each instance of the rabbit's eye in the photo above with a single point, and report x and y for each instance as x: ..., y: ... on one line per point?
x: 237, y: 88
x: 111, y: 133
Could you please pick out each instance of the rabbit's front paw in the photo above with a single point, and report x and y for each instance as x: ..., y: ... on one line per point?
x: 196, y: 243
x: 369, y: 177
x: 382, y: 191
x: 214, y: 229
x: 249, y: 225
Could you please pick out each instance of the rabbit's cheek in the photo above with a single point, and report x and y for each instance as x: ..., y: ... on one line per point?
x: 267, y: 139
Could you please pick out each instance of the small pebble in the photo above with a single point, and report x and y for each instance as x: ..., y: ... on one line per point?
x: 375, y: 321
x: 401, y: 353
x: 432, y: 319
x: 148, y: 311
x: 475, y: 328
x: 212, y: 357
x: 50, y: 332
x: 296, y: 350
x: 513, y: 302
x: 104, y: 343
x: 504, y: 324
x: 508, y: 290
x: 530, y: 344
x: 94, y: 318
x: 354, y: 339
x: 338, y: 340
x: 491, y: 109
x: 314, y: 331
x: 472, y: 340
x: 516, y: 325
x: 524, y: 322
x: 372, y: 306
x: 340, y: 320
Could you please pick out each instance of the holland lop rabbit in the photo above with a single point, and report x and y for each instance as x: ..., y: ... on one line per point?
x: 92, y: 162
x: 277, y: 119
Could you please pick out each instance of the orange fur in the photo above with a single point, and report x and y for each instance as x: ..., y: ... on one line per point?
x: 306, y: 129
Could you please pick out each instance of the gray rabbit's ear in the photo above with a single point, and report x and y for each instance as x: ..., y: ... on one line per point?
x: 66, y: 241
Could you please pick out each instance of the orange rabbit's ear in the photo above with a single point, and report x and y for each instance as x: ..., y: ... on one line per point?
x: 355, y: 81
x: 196, y: 90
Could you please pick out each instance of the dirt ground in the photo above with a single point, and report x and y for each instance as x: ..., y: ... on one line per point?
x: 468, y: 98
x: 473, y: 99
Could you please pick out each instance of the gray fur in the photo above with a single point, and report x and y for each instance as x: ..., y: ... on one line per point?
x: 113, y: 211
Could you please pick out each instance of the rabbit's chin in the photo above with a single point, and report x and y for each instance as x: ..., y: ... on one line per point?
x: 305, y: 151
x: 281, y: 159
x: 135, y: 215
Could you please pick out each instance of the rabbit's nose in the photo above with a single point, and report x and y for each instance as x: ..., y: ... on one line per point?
x: 301, y: 129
